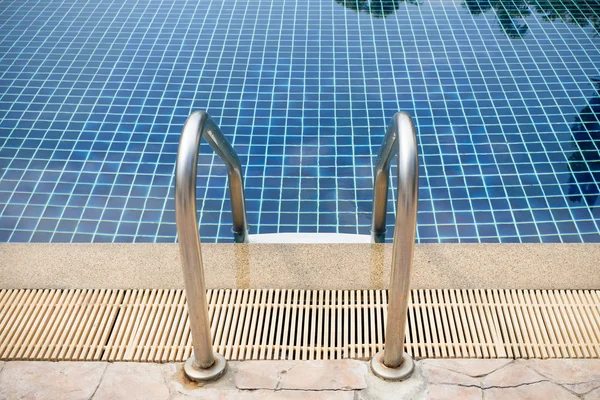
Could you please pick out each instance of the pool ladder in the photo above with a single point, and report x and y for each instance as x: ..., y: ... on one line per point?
x: 393, y: 363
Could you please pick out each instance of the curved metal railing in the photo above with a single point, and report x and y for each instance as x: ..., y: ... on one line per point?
x: 204, y: 364
x: 393, y: 363
x: 199, y: 124
x: 401, y: 122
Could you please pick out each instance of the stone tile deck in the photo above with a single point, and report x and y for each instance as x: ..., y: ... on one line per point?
x: 337, y: 380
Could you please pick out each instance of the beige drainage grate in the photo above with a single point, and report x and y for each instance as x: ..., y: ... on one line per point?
x: 152, y: 325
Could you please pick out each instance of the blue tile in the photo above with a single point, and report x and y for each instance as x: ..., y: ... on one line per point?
x: 88, y: 142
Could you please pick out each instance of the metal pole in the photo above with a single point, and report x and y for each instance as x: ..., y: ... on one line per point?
x: 393, y: 363
x: 215, y: 138
x: 381, y: 179
x: 204, y: 364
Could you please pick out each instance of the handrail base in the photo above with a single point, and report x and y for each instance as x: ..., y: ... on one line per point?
x: 214, y: 372
x: 403, y: 372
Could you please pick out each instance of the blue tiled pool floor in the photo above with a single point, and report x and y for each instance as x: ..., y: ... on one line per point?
x: 93, y: 96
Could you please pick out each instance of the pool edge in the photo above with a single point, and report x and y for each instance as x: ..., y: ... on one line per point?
x: 300, y: 266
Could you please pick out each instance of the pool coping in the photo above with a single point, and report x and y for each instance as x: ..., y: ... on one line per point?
x: 300, y: 266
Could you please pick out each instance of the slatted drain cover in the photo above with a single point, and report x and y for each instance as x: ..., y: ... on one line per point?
x: 152, y: 325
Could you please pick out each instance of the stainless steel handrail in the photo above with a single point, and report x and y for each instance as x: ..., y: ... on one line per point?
x: 200, y: 124
x: 204, y: 364
x: 393, y: 363
x: 381, y: 175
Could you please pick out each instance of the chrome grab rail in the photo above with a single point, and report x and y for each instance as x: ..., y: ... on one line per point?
x: 400, y: 122
x: 200, y: 124
x: 393, y: 363
x: 204, y: 364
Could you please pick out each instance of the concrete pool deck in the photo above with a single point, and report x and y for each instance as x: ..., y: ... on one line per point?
x: 337, y: 380
x: 346, y: 266
x: 300, y: 266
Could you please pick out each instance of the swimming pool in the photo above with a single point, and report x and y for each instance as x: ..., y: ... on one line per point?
x: 93, y: 96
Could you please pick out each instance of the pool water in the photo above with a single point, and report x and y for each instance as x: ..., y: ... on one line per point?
x: 504, y: 95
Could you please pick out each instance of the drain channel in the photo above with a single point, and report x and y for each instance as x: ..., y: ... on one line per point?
x: 152, y: 325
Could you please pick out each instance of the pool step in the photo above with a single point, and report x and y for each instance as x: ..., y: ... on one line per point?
x: 152, y: 325
x: 309, y: 238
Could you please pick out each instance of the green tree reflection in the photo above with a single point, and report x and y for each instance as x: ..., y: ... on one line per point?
x: 377, y: 8
x: 510, y: 13
x: 584, y: 162
x: 580, y: 12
